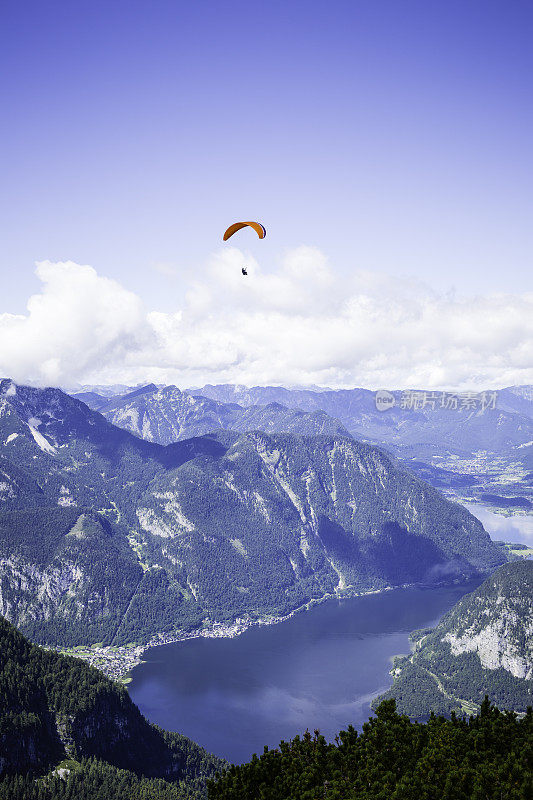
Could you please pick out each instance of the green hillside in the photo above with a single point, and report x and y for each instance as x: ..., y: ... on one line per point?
x: 483, y: 646
x: 55, y: 709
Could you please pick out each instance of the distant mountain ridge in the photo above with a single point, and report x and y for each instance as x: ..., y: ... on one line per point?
x: 452, y: 442
x: 484, y: 645
x: 507, y: 425
x: 518, y: 399
x: 107, y: 537
x: 166, y: 414
x: 467, y: 445
x: 410, y: 431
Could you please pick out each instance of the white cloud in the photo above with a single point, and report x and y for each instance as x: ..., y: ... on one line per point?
x: 79, y: 323
x: 298, y: 325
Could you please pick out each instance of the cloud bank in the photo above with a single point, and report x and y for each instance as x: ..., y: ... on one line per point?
x: 301, y: 324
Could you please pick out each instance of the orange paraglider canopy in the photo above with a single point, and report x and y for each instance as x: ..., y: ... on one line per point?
x: 258, y: 228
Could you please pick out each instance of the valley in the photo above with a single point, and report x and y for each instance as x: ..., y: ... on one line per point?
x: 138, y: 540
x: 139, y: 534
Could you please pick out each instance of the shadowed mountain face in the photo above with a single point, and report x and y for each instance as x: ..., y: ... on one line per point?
x: 54, y: 706
x: 484, y: 645
x: 107, y: 537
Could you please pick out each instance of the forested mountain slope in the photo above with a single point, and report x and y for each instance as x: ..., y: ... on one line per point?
x: 54, y: 707
x: 484, y: 645
x: 108, y: 538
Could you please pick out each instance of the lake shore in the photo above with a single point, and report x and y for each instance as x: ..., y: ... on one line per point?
x: 320, y: 670
x: 118, y: 662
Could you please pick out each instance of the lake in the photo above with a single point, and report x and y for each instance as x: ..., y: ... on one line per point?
x: 320, y: 669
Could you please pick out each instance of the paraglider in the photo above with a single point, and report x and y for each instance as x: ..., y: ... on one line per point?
x: 237, y: 226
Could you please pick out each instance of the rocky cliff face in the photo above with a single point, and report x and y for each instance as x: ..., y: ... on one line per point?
x: 484, y: 645
x: 166, y: 415
x: 64, y: 576
x: 496, y: 622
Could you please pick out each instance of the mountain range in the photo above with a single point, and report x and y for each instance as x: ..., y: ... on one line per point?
x: 468, y: 445
x: 106, y: 537
x: 165, y: 415
x: 166, y: 512
x: 425, y: 421
x: 420, y: 423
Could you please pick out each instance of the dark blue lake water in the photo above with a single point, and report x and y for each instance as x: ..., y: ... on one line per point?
x: 319, y: 669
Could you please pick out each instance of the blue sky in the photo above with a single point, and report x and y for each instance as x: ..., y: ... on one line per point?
x: 393, y: 136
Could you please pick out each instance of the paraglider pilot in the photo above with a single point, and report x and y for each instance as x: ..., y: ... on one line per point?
x: 237, y: 226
